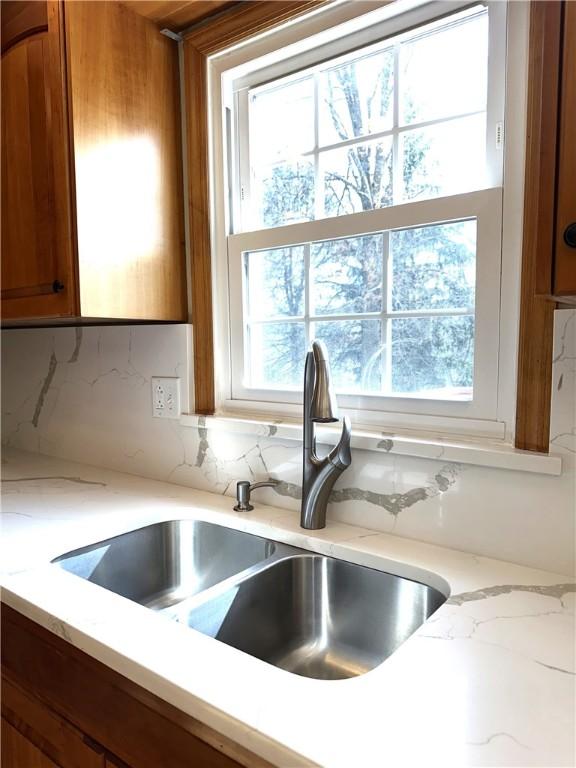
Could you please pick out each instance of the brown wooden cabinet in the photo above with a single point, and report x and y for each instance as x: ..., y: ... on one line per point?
x: 19, y: 752
x: 549, y: 261
x: 60, y: 707
x: 564, y: 281
x: 92, y: 220
x: 37, y: 736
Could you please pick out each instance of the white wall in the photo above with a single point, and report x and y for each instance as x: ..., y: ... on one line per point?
x: 84, y: 395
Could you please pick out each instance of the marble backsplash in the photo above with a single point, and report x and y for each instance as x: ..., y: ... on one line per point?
x: 84, y: 394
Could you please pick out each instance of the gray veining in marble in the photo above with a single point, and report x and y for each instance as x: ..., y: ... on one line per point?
x: 552, y: 590
x: 78, y: 343
x: 394, y: 503
x: 203, y: 444
x: 490, y: 739
x: 52, y: 477
x: 52, y: 365
x: 565, y: 352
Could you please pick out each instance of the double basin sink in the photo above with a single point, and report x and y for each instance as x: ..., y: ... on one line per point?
x: 306, y: 613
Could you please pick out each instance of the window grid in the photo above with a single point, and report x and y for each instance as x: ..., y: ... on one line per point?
x: 386, y: 315
x: 394, y: 133
x: 386, y: 358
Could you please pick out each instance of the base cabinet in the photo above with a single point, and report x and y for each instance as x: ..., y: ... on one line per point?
x: 19, y: 752
x: 33, y: 735
x: 63, y: 708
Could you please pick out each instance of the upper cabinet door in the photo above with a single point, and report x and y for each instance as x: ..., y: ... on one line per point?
x: 565, y: 265
x: 125, y: 107
x: 36, y: 277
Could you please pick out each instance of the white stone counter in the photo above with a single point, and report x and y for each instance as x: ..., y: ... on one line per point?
x: 488, y: 680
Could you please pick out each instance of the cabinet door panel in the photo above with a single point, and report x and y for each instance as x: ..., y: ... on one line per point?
x: 29, y: 253
x: 18, y: 752
x: 565, y: 266
x: 22, y: 19
x: 124, y: 99
x: 36, y: 202
x: 51, y: 734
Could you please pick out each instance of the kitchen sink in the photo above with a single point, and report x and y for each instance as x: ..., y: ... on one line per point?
x: 306, y: 613
x: 164, y: 563
x: 317, y: 616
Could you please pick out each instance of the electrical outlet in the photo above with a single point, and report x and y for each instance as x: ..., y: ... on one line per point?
x: 166, y: 398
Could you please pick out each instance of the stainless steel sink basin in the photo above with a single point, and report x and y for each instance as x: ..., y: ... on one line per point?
x: 317, y: 616
x: 165, y: 563
x: 309, y: 614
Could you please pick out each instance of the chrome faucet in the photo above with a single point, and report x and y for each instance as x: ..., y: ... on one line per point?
x: 319, y: 475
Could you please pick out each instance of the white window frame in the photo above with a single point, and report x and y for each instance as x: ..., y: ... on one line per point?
x: 488, y: 415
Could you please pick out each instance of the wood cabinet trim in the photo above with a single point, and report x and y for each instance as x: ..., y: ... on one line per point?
x: 178, y: 14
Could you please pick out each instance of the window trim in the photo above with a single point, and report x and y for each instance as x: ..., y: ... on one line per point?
x: 245, y: 22
x: 374, y: 410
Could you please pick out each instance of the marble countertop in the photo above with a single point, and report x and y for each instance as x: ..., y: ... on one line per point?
x: 488, y: 680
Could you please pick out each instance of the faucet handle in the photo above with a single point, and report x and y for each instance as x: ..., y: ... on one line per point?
x: 340, y: 456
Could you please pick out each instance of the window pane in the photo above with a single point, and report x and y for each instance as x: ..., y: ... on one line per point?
x: 282, y: 121
x: 275, y: 282
x: 356, y: 99
x: 284, y: 193
x: 355, y: 348
x: 346, y: 275
x: 444, y: 159
x: 444, y: 73
x: 357, y: 178
x: 434, y: 267
x: 277, y: 352
x: 433, y: 356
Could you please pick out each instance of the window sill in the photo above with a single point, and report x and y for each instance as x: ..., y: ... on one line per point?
x: 478, y: 453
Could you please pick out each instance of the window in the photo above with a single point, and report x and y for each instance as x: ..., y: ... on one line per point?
x: 365, y: 210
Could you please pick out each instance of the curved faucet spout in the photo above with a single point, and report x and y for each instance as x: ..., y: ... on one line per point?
x: 319, y: 475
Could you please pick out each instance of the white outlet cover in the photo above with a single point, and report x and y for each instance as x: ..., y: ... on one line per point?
x: 165, y: 397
